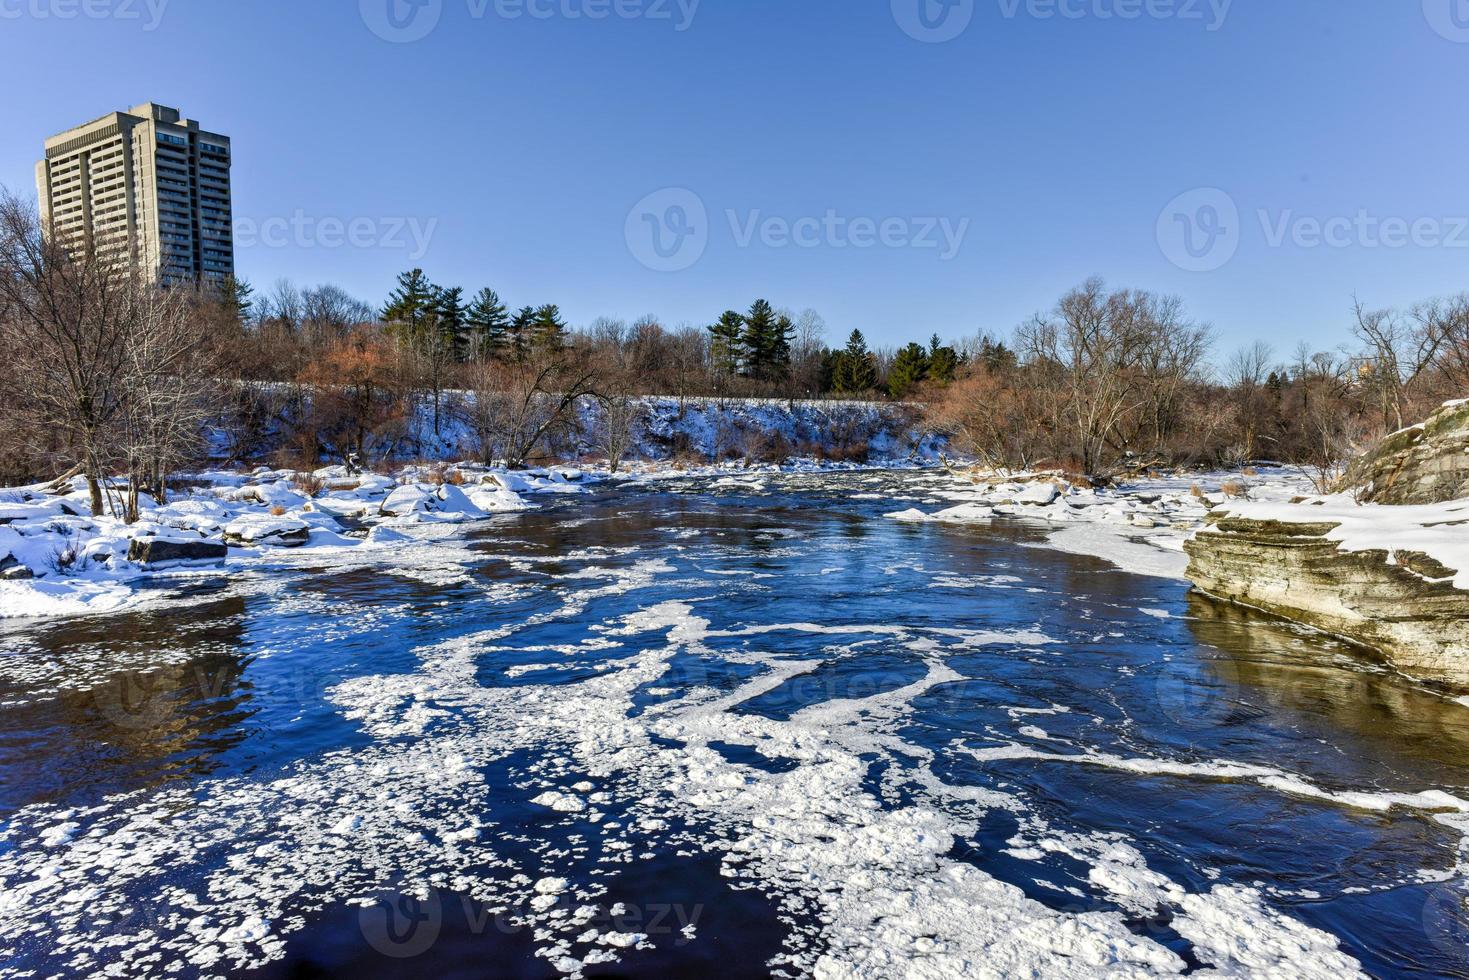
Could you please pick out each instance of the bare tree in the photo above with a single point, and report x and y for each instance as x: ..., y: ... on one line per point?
x: 64, y: 325
x: 1090, y: 346
x: 1395, y: 358
x: 170, y: 391
x: 1447, y: 322
x: 620, y: 412
x: 1246, y: 375
x: 516, y: 406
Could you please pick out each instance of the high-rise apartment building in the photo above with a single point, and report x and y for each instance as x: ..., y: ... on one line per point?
x: 146, y: 185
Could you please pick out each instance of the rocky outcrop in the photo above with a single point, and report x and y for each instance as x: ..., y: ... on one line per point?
x: 1426, y: 464
x: 160, y: 551
x: 1385, y: 566
x: 1402, y: 604
x: 263, y: 530
x: 13, y: 571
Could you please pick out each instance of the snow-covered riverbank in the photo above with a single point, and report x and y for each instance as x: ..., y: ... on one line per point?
x: 1139, y: 525
x: 57, y: 559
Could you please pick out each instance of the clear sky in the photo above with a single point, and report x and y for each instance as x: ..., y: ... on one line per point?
x: 1049, y: 138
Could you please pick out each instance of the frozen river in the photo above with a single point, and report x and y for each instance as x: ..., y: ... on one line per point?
x: 683, y: 729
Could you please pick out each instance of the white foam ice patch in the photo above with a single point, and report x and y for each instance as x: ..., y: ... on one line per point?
x: 1120, y: 545
x: 862, y: 873
x: 1431, y: 801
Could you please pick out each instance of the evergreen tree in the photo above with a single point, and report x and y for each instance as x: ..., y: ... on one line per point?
x: 488, y: 322
x: 547, y: 330
x: 234, y: 295
x: 449, y: 313
x: 943, y: 362
x: 826, y: 374
x: 780, y: 347
x: 520, y: 331
x: 410, y: 306
x: 855, y: 370
x: 761, y: 328
x: 996, y: 357
x: 727, y: 343
x: 909, y: 370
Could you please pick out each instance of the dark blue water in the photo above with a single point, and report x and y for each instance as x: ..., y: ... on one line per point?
x: 748, y: 700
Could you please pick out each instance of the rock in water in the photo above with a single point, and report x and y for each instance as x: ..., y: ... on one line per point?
x: 1410, y: 611
x: 158, y: 551
x: 1359, y: 565
x: 254, y: 530
x: 1427, y: 464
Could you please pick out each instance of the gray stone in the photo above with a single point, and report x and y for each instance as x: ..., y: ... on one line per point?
x: 1291, y: 570
x: 13, y: 571
x: 1427, y: 464
x: 155, y: 551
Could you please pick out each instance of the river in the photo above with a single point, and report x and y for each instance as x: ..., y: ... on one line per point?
x: 736, y: 728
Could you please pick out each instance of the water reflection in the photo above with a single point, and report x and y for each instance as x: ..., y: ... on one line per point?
x: 1338, y: 691
x: 127, y: 701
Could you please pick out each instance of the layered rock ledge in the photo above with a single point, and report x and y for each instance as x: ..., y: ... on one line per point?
x: 1394, y: 579
x: 1425, y: 464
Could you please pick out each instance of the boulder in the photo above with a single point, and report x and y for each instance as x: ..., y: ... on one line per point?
x: 1038, y: 494
x: 256, y: 530
x: 409, y: 500
x: 1403, y: 605
x: 162, y: 551
x: 1426, y: 464
x: 13, y: 571
x: 453, y: 500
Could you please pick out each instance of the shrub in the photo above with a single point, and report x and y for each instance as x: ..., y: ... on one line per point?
x: 309, y: 484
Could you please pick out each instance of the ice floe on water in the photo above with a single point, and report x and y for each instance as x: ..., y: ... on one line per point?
x: 1139, y: 526
x: 647, y: 734
x: 865, y: 875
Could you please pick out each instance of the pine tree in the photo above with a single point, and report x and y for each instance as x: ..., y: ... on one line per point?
x: 996, y: 357
x: 489, y: 325
x: 410, y: 306
x: 780, y: 347
x: 760, y: 339
x: 943, y: 362
x: 234, y: 295
x: 855, y: 370
x: 547, y: 330
x: 449, y: 312
x: 520, y: 332
x: 909, y: 370
x: 727, y: 343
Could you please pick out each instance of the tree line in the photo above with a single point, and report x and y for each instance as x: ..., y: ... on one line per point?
x: 109, y: 374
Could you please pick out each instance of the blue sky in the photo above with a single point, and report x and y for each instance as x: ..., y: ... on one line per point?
x: 522, y: 146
